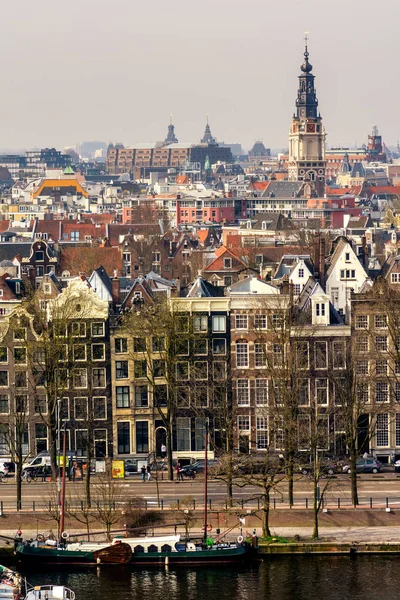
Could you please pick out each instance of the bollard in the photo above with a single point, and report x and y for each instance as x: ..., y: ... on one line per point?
x: 194, y: 504
x: 242, y: 504
x: 370, y: 502
x: 33, y: 506
x: 387, y: 502
x: 1, y: 508
x: 210, y: 503
x: 306, y: 503
x: 322, y: 503
x: 177, y: 503
x: 162, y: 504
x: 274, y: 502
x: 258, y: 503
x: 338, y: 502
x: 81, y: 505
x: 226, y: 504
x: 145, y: 504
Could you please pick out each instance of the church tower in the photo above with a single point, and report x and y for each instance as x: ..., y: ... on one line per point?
x: 171, y: 137
x: 307, y: 134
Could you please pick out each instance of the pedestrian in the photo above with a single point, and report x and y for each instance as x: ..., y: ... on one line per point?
x: 163, y: 450
x: 178, y: 472
x: 73, y: 471
x: 365, y: 455
x: 44, y: 473
x: 143, y: 471
x: 148, y: 472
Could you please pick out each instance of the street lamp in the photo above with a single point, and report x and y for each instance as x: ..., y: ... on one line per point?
x: 58, y: 451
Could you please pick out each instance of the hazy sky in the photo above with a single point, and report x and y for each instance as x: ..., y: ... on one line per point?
x: 114, y: 70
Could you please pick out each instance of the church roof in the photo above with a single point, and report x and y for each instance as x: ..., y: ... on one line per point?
x: 358, y: 170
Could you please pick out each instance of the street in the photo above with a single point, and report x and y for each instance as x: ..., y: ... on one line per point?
x: 374, y: 491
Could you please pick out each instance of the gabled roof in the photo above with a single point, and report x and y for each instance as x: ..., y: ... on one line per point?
x: 269, y: 221
x: 218, y: 263
x: 338, y: 246
x: 259, y: 186
x: 104, y: 277
x: 138, y: 285
x: 313, y: 288
x: 289, y: 262
x: 358, y: 170
x: 252, y: 285
x: 201, y: 288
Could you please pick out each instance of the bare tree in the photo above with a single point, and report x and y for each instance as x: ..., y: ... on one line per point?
x: 109, y: 494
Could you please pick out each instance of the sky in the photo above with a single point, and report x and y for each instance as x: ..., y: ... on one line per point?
x: 116, y: 70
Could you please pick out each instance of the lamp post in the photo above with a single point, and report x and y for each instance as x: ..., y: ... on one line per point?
x: 58, y: 452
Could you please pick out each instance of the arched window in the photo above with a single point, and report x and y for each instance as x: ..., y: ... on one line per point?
x: 242, y: 353
x: 138, y: 549
x: 152, y: 548
x: 166, y: 548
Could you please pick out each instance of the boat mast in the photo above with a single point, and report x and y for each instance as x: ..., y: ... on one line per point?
x: 62, y: 506
x: 205, y: 484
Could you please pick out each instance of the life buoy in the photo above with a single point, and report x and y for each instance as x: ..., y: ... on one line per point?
x: 240, y: 539
x: 65, y: 535
x: 209, y: 527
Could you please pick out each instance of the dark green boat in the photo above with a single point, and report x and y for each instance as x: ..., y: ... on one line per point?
x: 163, y: 550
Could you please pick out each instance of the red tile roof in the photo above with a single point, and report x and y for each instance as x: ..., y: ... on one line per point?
x: 4, y: 225
x: 84, y: 259
x: 385, y: 189
x: 218, y: 263
x: 260, y: 186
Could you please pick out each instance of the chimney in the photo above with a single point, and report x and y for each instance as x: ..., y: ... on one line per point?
x: 315, y: 257
x: 115, y: 291
x: 364, y: 251
x: 285, y: 286
x: 321, y: 265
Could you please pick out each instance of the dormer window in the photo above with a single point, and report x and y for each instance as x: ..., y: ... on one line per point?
x: 347, y: 256
x: 320, y: 309
x: 227, y: 263
x: 301, y: 273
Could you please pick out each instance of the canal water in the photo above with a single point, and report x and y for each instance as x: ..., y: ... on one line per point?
x: 278, y: 578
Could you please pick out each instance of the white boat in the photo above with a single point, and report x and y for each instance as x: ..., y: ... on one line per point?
x: 49, y: 592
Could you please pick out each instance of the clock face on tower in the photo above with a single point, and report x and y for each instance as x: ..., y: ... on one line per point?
x: 310, y: 128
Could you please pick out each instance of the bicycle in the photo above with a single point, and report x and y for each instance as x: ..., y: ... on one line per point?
x: 26, y: 476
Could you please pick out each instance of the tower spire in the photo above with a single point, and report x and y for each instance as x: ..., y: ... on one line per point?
x: 207, y: 137
x: 171, y: 137
x: 307, y: 135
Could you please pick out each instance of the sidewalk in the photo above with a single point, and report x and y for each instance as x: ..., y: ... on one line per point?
x: 343, y: 534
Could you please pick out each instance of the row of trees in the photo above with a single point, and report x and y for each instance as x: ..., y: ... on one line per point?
x: 356, y: 376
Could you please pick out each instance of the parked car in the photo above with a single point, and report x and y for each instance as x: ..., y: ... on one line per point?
x: 328, y: 466
x: 364, y: 465
x: 198, y: 467
x: 397, y: 466
x: 258, y: 465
